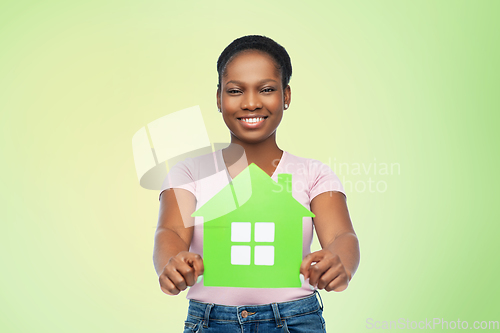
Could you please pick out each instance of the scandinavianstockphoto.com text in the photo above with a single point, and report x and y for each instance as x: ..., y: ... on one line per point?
x: 430, y: 324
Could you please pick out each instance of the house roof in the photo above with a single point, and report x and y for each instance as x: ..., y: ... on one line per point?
x: 252, y: 181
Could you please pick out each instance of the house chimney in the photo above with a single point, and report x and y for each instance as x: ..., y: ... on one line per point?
x: 285, y: 180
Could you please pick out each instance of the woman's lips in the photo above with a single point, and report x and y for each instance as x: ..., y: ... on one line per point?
x: 254, y: 122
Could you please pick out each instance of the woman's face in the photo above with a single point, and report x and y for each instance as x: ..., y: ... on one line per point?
x: 252, y: 98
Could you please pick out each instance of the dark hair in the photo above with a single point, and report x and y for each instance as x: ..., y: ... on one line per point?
x: 260, y: 43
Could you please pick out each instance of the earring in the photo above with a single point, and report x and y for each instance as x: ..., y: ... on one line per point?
x: 286, y: 106
x: 219, y: 110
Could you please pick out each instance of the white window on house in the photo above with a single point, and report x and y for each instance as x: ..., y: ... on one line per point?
x: 241, y: 232
x: 240, y: 255
x: 264, y: 255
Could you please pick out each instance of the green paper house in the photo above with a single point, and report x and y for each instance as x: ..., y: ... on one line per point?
x: 252, y: 233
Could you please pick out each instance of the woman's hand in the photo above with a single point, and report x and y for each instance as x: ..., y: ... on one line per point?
x: 181, y: 271
x: 328, y: 273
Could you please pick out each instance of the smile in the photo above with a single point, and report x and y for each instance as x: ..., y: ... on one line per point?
x: 252, y: 122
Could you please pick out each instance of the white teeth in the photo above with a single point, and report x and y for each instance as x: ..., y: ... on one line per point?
x: 252, y: 120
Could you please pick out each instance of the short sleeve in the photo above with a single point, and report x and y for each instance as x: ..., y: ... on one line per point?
x: 180, y: 176
x: 323, y: 179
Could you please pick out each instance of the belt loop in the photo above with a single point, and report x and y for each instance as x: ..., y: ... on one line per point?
x: 207, y: 315
x: 317, y: 293
x: 276, y: 314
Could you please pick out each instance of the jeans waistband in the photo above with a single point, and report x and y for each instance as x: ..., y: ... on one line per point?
x: 253, y: 313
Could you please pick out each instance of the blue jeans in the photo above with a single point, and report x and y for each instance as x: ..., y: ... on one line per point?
x: 301, y: 315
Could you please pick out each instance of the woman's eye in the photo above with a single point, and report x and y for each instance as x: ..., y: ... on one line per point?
x: 268, y: 89
x: 233, y: 91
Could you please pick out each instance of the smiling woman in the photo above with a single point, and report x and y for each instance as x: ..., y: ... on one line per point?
x: 252, y: 99
x: 252, y: 94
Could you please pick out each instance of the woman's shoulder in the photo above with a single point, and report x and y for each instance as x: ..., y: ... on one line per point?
x: 318, y: 174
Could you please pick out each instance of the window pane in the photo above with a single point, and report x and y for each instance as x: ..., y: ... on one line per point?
x: 264, y: 255
x: 240, y: 255
x: 264, y: 232
x: 241, y: 231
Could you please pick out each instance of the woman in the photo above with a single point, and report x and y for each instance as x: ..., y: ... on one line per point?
x: 252, y: 95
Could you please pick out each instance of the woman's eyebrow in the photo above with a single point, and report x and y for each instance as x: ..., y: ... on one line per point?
x: 260, y: 82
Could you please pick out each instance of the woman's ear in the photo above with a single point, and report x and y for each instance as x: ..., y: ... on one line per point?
x: 288, y: 96
x: 217, y: 96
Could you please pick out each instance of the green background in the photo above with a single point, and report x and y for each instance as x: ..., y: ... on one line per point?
x: 410, y: 83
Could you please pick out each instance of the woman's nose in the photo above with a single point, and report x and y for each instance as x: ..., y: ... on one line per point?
x: 251, y: 101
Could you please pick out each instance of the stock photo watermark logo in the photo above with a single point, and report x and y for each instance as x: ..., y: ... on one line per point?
x: 431, y: 324
x: 183, y: 134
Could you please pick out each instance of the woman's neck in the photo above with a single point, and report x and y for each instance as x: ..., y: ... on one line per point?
x: 265, y: 154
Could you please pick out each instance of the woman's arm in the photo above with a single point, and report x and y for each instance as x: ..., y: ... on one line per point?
x: 338, y: 260
x: 176, y: 267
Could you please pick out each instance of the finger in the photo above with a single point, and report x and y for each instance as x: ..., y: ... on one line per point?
x: 167, y: 286
x: 317, y: 270
x: 197, y: 263
x: 307, y: 261
x: 176, y: 277
x: 187, y: 273
x: 328, y: 277
x: 339, y: 284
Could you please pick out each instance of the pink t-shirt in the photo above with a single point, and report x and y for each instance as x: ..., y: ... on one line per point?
x: 206, y: 175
